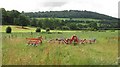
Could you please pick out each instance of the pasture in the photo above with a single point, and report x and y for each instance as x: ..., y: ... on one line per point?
x: 17, y: 28
x: 103, y: 52
x: 28, y: 29
x: 80, y: 19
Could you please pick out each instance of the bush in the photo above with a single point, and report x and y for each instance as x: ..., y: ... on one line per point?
x: 92, y: 29
x: 65, y: 28
x: 58, y: 28
x: 38, y: 30
x: 8, y: 30
x: 47, y: 29
x: 59, y: 32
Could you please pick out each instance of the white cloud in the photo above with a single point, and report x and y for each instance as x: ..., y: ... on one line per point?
x: 108, y: 7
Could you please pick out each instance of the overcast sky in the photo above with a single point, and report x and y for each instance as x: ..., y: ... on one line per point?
x: 108, y: 7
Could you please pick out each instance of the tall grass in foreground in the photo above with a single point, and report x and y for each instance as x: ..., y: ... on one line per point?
x: 103, y: 52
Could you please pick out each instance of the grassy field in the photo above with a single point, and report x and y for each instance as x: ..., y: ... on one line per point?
x: 103, y: 52
x: 18, y: 28
x: 80, y: 19
x: 28, y: 29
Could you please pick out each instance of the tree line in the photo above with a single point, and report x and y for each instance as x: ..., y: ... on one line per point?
x: 15, y: 17
x: 69, y: 14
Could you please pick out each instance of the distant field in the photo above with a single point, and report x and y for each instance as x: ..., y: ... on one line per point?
x: 80, y: 19
x: 32, y: 29
x: 29, y: 29
x: 17, y: 28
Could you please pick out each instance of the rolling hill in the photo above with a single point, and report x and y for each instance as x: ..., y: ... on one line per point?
x: 70, y: 14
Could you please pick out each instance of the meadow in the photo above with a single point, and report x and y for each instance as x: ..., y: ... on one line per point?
x: 28, y: 29
x: 80, y: 19
x: 16, y: 52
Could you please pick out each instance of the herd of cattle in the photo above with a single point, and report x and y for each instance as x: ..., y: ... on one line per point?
x: 73, y: 40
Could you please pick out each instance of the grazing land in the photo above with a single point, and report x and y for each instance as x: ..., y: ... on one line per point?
x: 17, y: 52
x: 80, y: 19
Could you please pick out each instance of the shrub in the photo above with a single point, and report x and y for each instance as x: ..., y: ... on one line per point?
x: 38, y: 30
x: 8, y: 30
x: 58, y: 28
x: 65, y: 28
x: 59, y: 32
x: 92, y: 29
x: 47, y: 29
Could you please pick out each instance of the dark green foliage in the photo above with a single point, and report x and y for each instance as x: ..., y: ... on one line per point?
x: 59, y: 32
x: 8, y: 30
x: 38, y: 29
x: 8, y: 16
x: 49, y: 32
x: 73, y: 26
x: 93, y: 26
x: 58, y: 28
x: 47, y: 29
x: 34, y: 22
x: 65, y: 28
x: 92, y: 29
x: 50, y: 20
x: 24, y: 20
x: 69, y: 14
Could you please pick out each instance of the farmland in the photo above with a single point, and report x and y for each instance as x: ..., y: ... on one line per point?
x: 51, y: 36
x: 16, y: 52
x: 29, y: 29
x: 18, y: 28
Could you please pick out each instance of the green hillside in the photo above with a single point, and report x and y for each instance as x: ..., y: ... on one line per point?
x: 76, y: 19
x: 60, y: 20
x: 70, y: 14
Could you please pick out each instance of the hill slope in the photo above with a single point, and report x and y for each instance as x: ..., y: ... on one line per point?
x: 70, y: 14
